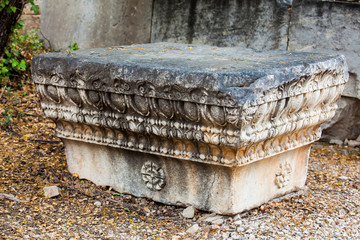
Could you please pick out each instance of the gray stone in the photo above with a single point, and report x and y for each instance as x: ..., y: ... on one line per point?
x: 353, y: 143
x: 95, y: 23
x: 346, y: 122
x: 336, y: 141
x: 343, y: 178
x: 193, y: 229
x: 235, y: 235
x: 220, y: 129
x: 97, y: 204
x: 238, y: 222
x: 189, y: 212
x: 260, y: 24
x: 329, y: 27
x: 51, y: 191
x: 217, y: 220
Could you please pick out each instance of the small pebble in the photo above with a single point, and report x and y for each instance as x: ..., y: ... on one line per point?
x: 353, y: 143
x: 336, y: 141
x: 97, y: 204
x: 193, y: 229
x: 189, y: 212
x: 240, y: 229
x: 51, y: 191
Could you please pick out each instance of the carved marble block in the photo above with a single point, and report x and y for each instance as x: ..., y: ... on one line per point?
x: 222, y: 129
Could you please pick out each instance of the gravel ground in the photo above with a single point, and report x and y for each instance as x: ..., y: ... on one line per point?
x: 31, y: 158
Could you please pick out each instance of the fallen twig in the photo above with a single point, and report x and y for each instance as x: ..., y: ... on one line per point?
x: 2, y: 91
x: 112, y: 200
x: 75, y: 190
x: 44, y: 141
x: 10, y: 197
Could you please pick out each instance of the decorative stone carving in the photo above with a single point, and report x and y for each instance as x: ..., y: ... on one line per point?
x: 282, y: 176
x: 153, y: 176
x: 227, y: 107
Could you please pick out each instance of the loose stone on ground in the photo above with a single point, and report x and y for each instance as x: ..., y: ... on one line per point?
x: 193, y: 229
x: 51, y: 191
x: 189, y: 212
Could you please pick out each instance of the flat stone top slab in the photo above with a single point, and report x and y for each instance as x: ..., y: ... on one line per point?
x: 226, y: 106
x: 243, y: 74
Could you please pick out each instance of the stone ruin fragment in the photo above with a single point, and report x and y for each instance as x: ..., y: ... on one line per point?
x: 221, y: 129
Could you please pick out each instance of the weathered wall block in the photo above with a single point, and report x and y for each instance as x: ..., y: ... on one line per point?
x: 95, y: 23
x: 329, y: 27
x: 138, y: 117
x: 332, y: 27
x: 256, y: 24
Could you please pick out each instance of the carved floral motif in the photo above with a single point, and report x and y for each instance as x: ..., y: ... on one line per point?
x: 153, y: 176
x: 282, y: 176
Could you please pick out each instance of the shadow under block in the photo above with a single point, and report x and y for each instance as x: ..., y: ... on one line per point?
x: 222, y: 129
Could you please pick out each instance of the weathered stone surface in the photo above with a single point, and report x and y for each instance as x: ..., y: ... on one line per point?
x: 260, y: 24
x: 346, y: 122
x: 227, y: 129
x: 205, y: 186
x: 329, y: 27
x: 95, y: 23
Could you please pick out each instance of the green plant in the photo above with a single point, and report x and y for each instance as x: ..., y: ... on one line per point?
x: 73, y: 46
x: 18, y: 54
x: 8, y: 117
x: 34, y: 7
x: 19, y: 49
x: 5, y: 3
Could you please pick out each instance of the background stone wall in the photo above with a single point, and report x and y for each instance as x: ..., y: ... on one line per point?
x: 297, y: 25
x: 95, y: 23
x: 249, y: 23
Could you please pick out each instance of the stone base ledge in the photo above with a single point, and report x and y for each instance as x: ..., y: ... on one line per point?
x: 219, y: 189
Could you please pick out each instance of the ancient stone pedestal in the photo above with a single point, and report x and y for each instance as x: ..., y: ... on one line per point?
x: 222, y: 129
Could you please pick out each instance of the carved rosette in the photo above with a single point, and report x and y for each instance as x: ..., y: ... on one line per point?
x: 282, y: 176
x: 189, y: 123
x: 153, y: 176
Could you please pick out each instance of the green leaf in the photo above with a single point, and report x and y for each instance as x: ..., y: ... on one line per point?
x: 13, y: 9
x: 14, y: 63
x: 22, y: 65
x: 21, y: 22
x: 7, y: 53
x: 73, y: 46
x: 4, y: 70
x: 117, y: 194
x: 35, y: 9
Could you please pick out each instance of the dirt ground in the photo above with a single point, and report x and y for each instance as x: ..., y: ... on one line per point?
x: 32, y: 157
